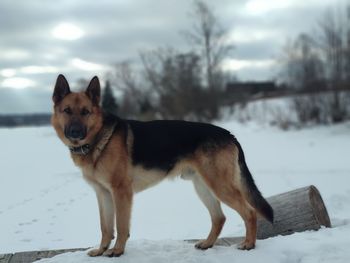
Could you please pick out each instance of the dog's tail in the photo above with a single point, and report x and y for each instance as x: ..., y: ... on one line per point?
x: 252, y: 192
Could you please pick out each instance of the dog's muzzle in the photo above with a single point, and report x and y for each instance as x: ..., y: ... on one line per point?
x: 75, y: 131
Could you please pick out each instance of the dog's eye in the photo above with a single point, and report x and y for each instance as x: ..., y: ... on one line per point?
x: 68, y: 111
x: 85, y: 112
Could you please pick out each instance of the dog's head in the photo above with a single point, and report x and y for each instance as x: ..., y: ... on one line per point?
x: 77, y: 116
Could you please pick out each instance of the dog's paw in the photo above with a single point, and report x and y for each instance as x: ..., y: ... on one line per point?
x: 245, y: 245
x: 114, y: 252
x: 203, y: 245
x: 96, y: 252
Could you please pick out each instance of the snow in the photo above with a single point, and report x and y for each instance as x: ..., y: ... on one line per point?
x: 321, y: 246
x: 45, y: 203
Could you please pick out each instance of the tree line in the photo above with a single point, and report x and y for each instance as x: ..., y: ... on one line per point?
x: 320, y: 61
x: 173, y: 84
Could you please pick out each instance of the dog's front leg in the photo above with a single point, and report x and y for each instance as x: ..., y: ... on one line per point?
x: 106, y: 209
x: 122, y: 197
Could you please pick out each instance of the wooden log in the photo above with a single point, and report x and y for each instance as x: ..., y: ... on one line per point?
x: 295, y: 211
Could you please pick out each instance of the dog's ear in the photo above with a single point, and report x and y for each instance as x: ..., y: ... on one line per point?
x: 61, y: 89
x: 93, y: 91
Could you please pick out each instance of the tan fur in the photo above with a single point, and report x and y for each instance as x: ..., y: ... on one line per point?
x: 215, y: 174
x: 143, y: 179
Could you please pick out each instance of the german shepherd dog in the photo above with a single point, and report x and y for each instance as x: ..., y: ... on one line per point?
x: 121, y: 157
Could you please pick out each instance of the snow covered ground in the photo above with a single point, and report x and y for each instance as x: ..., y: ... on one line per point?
x: 45, y: 203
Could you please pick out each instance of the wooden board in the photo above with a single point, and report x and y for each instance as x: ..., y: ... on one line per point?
x: 31, y: 256
x: 5, y: 258
x: 224, y: 241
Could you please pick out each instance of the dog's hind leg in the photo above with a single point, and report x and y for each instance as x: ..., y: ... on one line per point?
x: 221, y: 173
x: 106, y: 209
x: 230, y: 194
x: 215, y: 211
x: 234, y: 199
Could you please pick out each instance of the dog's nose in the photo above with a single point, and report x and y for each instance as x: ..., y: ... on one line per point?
x: 76, y: 131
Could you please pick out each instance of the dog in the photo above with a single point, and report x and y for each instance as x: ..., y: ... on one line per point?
x: 119, y: 158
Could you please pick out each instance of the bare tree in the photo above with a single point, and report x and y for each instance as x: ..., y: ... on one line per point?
x: 176, y: 80
x: 153, y: 62
x: 211, y: 40
x: 334, y: 44
x: 347, y: 49
x: 134, y: 96
x: 303, y: 70
x: 302, y: 65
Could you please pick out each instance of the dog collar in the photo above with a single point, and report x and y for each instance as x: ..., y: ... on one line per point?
x: 81, y: 150
x: 98, y: 146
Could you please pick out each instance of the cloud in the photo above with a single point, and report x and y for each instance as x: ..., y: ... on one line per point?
x: 87, y: 66
x: 67, y: 31
x: 236, y: 64
x: 14, y: 54
x: 244, y: 69
x: 38, y: 69
x: 258, y: 7
x: 17, y: 83
x: 8, y: 72
x: 246, y: 35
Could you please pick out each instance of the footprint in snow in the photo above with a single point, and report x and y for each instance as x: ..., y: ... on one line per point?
x: 25, y: 223
x: 27, y: 200
x: 26, y: 240
x: 44, y: 192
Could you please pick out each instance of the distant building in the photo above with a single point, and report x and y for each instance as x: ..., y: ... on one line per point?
x: 245, y: 91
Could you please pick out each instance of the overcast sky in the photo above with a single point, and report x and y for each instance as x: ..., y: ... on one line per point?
x: 40, y: 39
